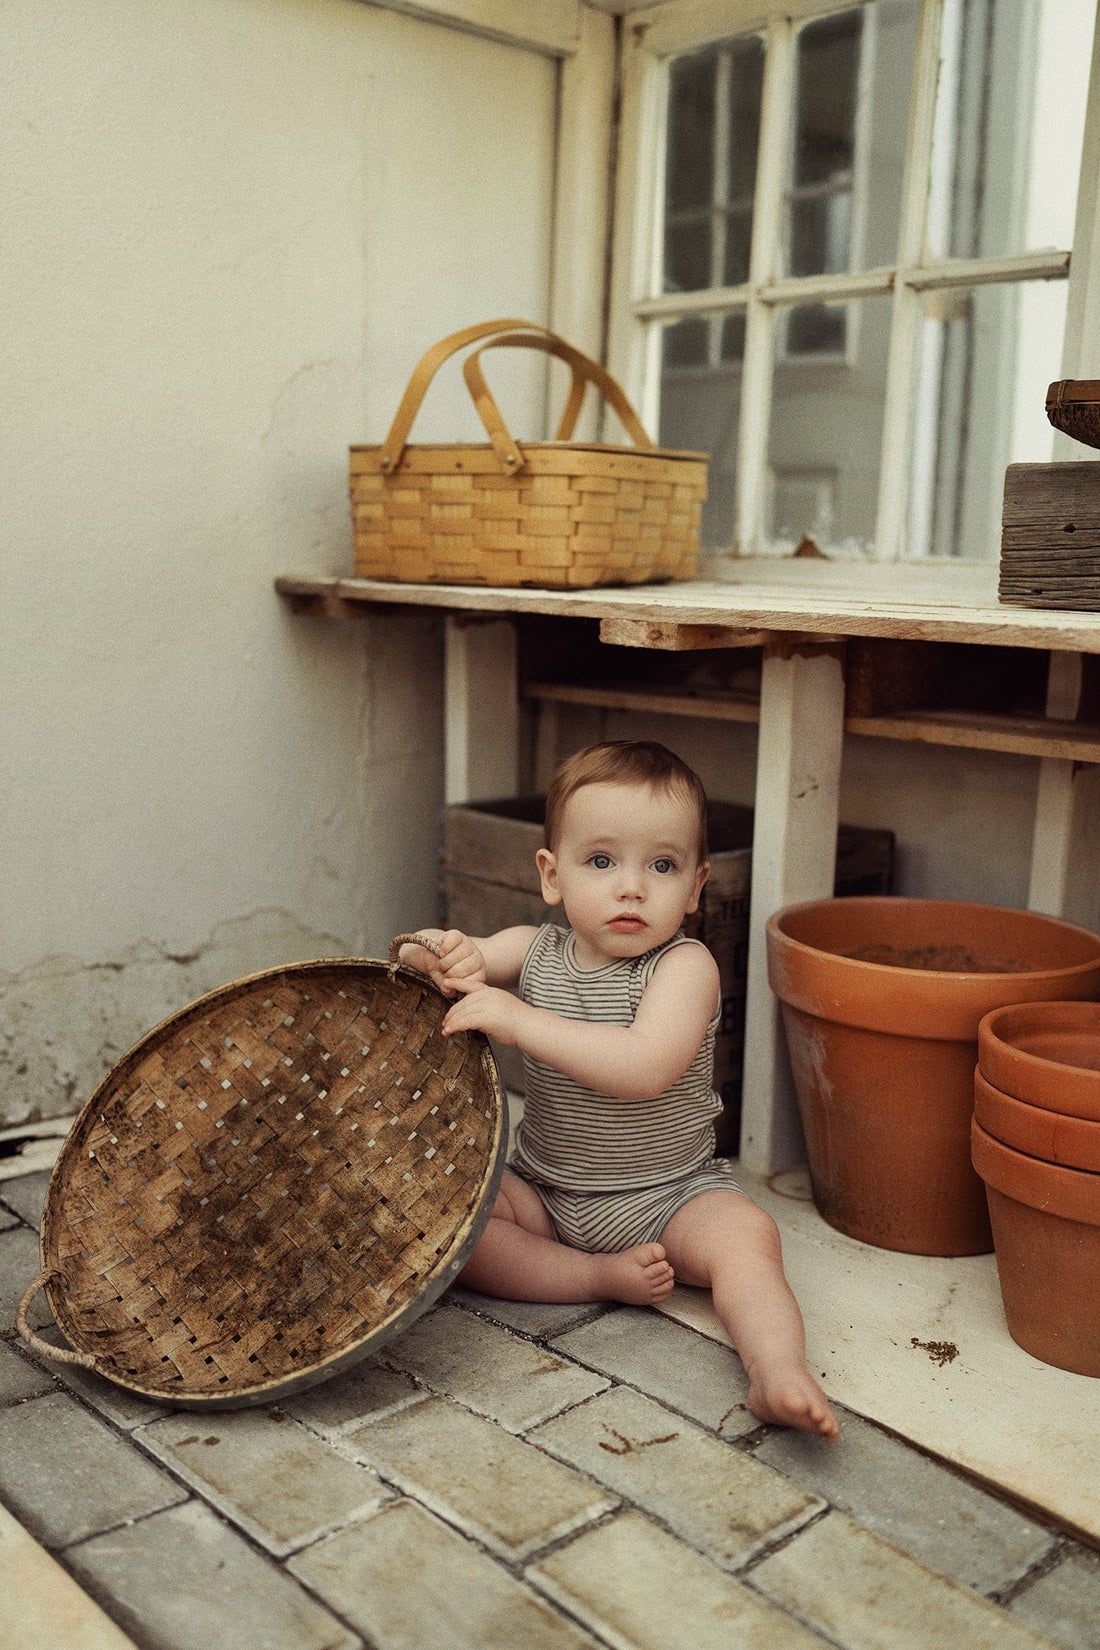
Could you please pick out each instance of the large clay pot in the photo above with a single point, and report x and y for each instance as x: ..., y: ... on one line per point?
x: 1045, y: 1053
x: 1046, y: 1229
x: 1072, y: 1141
x: 881, y: 1001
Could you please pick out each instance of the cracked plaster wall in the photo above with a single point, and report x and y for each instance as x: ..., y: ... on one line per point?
x: 231, y: 228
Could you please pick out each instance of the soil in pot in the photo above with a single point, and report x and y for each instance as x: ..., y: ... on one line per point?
x: 881, y: 1000
x: 1072, y: 1141
x: 1047, y: 1054
x: 1046, y: 1229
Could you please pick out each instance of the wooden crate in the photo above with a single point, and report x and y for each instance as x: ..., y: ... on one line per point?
x: 1050, y: 538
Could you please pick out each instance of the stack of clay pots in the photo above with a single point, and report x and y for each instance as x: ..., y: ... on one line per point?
x: 1036, y: 1144
x: 881, y: 998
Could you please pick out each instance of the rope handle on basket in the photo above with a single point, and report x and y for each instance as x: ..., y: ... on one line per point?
x: 59, y: 1354
x: 410, y: 939
x: 585, y: 371
x: 532, y: 336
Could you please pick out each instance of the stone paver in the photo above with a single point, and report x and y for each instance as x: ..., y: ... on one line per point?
x: 20, y: 1262
x: 7, y: 1219
x: 26, y: 1193
x: 1065, y: 1603
x: 490, y: 1370
x: 528, y: 1317
x: 408, y: 1582
x: 716, y: 1498
x: 43, y: 1608
x: 183, y: 1580
x: 19, y: 1378
x: 367, y: 1391
x: 697, y: 1376
x: 945, y: 1521
x: 124, y: 1408
x: 280, y: 1483
x: 643, y: 1590
x: 863, y: 1593
x: 500, y: 1489
x: 66, y: 1475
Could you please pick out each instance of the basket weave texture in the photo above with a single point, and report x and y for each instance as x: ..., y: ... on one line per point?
x: 272, y: 1183
x: 551, y: 514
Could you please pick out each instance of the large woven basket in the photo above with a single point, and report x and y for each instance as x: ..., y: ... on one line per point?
x: 1073, y: 406
x: 552, y: 513
x: 270, y: 1184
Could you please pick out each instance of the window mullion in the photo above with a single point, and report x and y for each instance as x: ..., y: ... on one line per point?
x: 893, y: 498
x: 764, y: 262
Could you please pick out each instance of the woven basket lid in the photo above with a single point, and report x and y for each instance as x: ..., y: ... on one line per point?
x: 271, y: 1184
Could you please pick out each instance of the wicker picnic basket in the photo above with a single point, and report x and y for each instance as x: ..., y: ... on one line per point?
x: 1073, y: 406
x: 271, y: 1184
x: 551, y: 513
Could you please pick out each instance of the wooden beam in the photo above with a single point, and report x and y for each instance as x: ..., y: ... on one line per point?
x: 1041, y: 736
x: 676, y: 638
x: 740, y: 709
x: 1056, y: 796
x: 481, y: 735
x: 793, y: 859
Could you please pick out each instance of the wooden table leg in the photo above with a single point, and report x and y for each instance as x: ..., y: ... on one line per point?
x: 1056, y: 797
x: 793, y: 858
x: 481, y: 715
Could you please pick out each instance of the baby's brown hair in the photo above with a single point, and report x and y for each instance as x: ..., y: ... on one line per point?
x: 625, y: 762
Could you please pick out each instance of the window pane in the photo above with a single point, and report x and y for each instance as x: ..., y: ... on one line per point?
x: 710, y: 166
x: 700, y: 406
x: 848, y: 148
x: 987, y: 355
x: 826, y: 434
x: 1009, y: 120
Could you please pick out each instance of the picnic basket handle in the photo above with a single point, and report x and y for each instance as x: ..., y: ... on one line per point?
x: 393, y: 448
x: 59, y: 1354
x: 410, y: 939
x: 585, y: 371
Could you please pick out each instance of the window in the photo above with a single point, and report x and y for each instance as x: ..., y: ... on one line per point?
x: 842, y: 258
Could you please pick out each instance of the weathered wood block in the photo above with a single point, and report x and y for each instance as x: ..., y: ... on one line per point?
x: 1050, y: 536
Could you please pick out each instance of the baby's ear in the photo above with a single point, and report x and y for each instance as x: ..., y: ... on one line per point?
x: 701, y: 876
x: 548, y: 876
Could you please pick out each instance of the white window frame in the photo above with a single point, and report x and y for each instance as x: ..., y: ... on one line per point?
x: 650, y: 37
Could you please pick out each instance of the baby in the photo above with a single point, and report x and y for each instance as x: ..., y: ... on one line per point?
x: 613, y: 1190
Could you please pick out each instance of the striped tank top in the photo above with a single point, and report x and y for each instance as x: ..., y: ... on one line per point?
x: 570, y: 1136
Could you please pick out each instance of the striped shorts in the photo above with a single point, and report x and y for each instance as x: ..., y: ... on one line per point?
x: 607, y: 1222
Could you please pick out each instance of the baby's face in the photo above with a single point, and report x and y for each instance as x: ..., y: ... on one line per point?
x: 626, y: 868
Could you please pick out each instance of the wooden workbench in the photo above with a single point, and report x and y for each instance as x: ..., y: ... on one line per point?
x: 801, y: 616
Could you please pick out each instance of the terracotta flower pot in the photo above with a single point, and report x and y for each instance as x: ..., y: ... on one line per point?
x: 1045, y: 1053
x: 881, y: 1000
x: 1072, y: 1141
x: 1046, y: 1230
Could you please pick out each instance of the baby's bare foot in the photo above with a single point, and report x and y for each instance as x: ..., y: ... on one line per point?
x: 787, y: 1395
x: 640, y: 1276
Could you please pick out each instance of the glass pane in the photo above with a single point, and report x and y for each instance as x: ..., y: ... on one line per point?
x: 1010, y: 112
x: 700, y: 407
x: 687, y: 255
x: 710, y: 164
x: 986, y: 357
x: 817, y: 329
x: 826, y: 434
x: 848, y: 147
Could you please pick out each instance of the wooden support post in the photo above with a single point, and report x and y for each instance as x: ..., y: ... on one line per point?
x: 1057, y: 794
x: 793, y: 858
x: 481, y: 733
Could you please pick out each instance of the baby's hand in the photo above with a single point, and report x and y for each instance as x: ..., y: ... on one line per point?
x: 497, y: 1013
x: 460, y: 966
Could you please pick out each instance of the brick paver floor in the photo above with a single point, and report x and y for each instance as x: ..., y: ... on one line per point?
x: 507, y: 1477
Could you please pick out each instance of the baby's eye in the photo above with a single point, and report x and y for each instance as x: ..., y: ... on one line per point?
x: 664, y: 866
x: 600, y: 862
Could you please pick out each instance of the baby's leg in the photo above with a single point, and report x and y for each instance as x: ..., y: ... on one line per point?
x: 519, y: 1258
x: 721, y: 1241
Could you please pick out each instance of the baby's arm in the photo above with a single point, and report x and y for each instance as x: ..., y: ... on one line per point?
x: 634, y: 1062
x: 466, y: 964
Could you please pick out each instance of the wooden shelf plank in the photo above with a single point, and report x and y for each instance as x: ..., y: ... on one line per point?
x: 1019, y: 735
x: 971, y: 730
x: 740, y: 708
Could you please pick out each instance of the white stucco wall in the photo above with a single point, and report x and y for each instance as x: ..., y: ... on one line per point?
x: 230, y: 228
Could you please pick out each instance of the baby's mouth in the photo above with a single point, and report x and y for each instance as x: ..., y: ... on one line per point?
x: 628, y: 925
